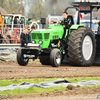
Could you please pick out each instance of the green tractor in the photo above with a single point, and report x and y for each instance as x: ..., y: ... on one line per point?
x: 48, y: 46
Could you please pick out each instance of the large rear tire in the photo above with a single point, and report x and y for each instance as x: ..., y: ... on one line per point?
x: 55, y: 57
x: 82, y: 47
x: 21, y: 61
x: 45, y: 60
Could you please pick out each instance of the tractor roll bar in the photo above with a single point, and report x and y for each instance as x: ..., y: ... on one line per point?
x: 78, y: 20
x: 71, y: 7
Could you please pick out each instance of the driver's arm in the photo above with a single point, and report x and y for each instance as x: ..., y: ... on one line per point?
x: 67, y: 24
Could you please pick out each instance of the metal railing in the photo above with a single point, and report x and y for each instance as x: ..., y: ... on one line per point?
x: 9, y: 46
x: 10, y: 34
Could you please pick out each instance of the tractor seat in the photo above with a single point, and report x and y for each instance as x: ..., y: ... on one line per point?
x: 71, y: 17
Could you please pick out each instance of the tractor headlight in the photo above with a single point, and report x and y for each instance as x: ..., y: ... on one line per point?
x: 33, y: 42
x: 40, y: 42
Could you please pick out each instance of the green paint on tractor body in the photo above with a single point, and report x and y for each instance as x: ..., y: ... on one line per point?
x: 54, y: 32
x: 75, y: 27
x: 46, y: 35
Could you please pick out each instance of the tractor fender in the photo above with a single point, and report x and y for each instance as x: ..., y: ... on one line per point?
x: 75, y: 27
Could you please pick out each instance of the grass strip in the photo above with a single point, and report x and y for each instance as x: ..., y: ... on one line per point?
x: 42, y: 90
x: 32, y: 90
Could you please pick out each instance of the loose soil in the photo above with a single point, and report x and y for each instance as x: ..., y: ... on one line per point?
x: 11, y: 70
x: 75, y: 94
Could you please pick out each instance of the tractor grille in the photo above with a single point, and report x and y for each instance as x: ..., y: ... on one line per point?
x: 46, y: 35
x: 39, y: 36
x: 36, y: 36
x: 55, y: 37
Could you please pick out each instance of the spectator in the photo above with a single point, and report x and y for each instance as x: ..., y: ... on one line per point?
x: 98, y: 32
x: 23, y: 38
x: 1, y: 37
x: 15, y: 31
x: 29, y: 34
x: 15, y: 22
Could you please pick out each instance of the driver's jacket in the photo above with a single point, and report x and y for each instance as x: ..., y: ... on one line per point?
x: 66, y: 23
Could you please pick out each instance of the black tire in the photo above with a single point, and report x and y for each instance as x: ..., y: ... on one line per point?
x: 21, y: 61
x: 75, y: 47
x: 53, y: 55
x: 45, y: 60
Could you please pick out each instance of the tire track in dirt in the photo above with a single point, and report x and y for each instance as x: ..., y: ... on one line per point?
x: 11, y: 70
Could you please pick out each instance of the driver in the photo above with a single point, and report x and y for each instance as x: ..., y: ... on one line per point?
x: 66, y: 23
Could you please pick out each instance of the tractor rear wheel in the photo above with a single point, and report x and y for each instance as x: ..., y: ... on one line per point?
x: 81, y: 47
x: 55, y: 57
x: 21, y: 61
x: 45, y: 60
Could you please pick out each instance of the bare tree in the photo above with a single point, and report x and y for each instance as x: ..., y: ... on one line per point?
x: 37, y: 10
x: 12, y: 5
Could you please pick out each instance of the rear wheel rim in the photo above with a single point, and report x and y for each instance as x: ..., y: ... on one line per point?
x: 58, y: 58
x: 87, y: 47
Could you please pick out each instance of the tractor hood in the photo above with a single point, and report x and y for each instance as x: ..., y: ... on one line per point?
x: 44, y: 36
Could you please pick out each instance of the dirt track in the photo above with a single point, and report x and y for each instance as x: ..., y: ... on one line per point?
x: 72, y: 97
x: 11, y: 70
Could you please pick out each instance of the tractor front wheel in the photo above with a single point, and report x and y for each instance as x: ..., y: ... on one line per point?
x: 21, y: 61
x: 55, y: 57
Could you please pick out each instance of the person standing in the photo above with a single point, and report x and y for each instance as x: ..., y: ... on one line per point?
x: 1, y: 37
x: 23, y: 38
x: 15, y: 22
x: 29, y: 34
